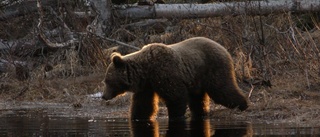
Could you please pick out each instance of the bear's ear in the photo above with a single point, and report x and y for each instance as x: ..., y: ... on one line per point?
x: 117, y: 59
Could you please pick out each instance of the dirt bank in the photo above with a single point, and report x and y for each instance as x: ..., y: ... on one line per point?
x: 286, y: 102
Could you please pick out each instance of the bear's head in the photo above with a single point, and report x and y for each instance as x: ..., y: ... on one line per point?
x: 117, y: 80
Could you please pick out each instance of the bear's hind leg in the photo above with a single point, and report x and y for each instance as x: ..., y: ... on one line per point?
x: 144, y: 105
x: 199, y: 104
x: 176, y: 103
x: 230, y: 97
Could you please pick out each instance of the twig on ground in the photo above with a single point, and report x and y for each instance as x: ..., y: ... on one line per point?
x: 251, y: 90
x: 307, y: 78
x: 22, y: 91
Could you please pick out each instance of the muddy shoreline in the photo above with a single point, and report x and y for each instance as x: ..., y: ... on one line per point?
x: 288, y: 101
x: 298, y: 114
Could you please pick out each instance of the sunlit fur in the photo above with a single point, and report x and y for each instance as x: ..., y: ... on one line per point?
x: 182, y: 74
x: 144, y: 106
x: 201, y: 128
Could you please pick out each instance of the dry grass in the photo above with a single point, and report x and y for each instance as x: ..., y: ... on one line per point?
x: 276, y: 49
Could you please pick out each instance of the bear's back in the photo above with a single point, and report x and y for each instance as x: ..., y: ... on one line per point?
x: 200, y: 48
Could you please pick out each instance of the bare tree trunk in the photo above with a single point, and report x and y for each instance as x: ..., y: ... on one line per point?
x: 102, y: 22
x: 217, y: 9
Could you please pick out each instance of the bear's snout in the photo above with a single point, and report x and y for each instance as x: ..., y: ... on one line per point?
x: 109, y: 93
x: 105, y: 97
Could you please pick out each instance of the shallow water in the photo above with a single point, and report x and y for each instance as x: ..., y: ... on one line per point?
x: 37, y: 123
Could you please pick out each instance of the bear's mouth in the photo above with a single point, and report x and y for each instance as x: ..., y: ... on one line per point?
x: 105, y: 98
x: 108, y: 97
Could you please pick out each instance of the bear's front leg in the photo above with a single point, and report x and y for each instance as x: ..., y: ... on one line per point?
x: 176, y: 103
x: 176, y: 109
x: 144, y: 106
x: 174, y: 94
x: 199, y: 104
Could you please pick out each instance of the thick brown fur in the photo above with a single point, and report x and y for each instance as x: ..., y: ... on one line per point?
x: 182, y: 74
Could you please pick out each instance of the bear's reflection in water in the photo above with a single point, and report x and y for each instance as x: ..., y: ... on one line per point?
x: 193, y: 128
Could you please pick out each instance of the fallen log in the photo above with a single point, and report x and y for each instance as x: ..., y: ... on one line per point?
x: 217, y: 9
x: 179, y: 10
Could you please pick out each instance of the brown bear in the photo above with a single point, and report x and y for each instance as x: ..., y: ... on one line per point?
x: 182, y: 74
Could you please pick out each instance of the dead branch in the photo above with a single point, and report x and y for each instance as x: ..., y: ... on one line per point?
x: 23, y: 8
x: 4, y: 45
x: 145, y: 23
x: 115, y: 41
x: 121, y: 43
x: 41, y: 28
x: 20, y: 67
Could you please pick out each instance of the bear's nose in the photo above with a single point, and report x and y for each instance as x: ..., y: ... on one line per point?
x: 104, y: 97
